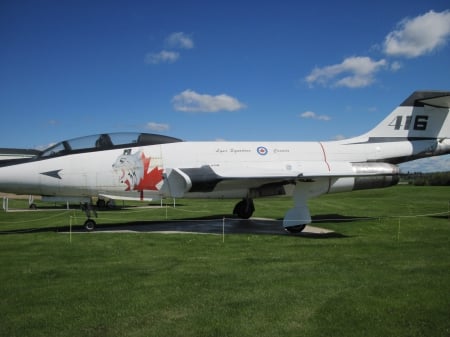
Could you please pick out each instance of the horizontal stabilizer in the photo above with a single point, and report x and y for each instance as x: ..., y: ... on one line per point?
x: 438, y: 102
x: 438, y: 99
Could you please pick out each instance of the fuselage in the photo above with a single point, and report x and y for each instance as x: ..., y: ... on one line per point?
x: 209, y: 169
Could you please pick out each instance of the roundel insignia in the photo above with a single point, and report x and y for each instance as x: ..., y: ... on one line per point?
x: 262, y: 150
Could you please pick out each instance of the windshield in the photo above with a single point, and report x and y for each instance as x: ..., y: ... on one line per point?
x: 106, y: 141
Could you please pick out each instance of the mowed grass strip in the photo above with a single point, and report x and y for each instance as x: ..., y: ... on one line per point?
x: 387, y: 274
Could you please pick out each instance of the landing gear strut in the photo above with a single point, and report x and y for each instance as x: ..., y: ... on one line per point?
x: 296, y: 219
x: 244, y: 208
x: 89, y: 224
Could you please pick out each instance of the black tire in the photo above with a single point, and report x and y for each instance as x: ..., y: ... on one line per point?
x: 33, y: 206
x: 295, y: 229
x: 89, y: 225
x: 244, y: 208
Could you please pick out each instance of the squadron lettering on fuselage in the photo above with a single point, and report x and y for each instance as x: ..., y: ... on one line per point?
x: 281, y: 150
x: 260, y: 150
x: 233, y: 150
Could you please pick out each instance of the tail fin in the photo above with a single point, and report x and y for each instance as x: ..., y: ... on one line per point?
x: 422, y: 120
x: 422, y: 116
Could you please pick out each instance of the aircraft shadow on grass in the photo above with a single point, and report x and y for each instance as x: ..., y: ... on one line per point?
x: 215, y: 224
x: 443, y: 216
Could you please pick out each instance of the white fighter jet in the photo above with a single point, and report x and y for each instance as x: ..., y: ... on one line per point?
x: 150, y: 167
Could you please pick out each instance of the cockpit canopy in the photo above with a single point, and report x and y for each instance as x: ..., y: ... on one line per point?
x: 106, y: 141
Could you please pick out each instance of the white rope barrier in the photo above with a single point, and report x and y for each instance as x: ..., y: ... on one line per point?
x: 37, y: 219
x: 118, y: 219
x: 125, y: 218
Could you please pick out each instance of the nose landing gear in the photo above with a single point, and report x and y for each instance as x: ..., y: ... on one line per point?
x: 89, y: 224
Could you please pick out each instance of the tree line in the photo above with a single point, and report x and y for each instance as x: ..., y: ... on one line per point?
x: 426, y: 179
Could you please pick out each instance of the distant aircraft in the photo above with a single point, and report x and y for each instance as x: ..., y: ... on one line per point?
x: 8, y: 154
x: 150, y: 167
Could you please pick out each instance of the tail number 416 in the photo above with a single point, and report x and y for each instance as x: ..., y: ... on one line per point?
x: 420, y: 123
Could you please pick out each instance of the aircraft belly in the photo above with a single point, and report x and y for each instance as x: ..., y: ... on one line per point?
x: 239, y: 188
x: 218, y: 194
x: 130, y: 195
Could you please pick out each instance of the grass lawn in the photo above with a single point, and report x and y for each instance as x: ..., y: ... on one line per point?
x: 386, y: 274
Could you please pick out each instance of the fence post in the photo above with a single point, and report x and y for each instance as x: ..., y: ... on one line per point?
x: 5, y: 204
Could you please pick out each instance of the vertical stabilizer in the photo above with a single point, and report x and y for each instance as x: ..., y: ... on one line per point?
x: 417, y: 128
x: 422, y: 116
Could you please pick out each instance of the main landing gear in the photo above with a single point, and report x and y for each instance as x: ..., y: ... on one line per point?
x: 296, y: 218
x: 244, y: 208
x: 295, y: 229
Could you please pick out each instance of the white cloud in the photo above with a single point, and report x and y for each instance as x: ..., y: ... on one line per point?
x: 394, y: 66
x: 313, y: 115
x: 163, y: 56
x: 190, y: 101
x: 339, y: 137
x: 179, y: 40
x: 412, y: 38
x: 157, y: 126
x: 353, y: 72
x: 419, y: 36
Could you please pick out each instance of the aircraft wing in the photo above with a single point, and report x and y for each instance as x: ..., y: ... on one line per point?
x: 178, y: 181
x: 309, y: 170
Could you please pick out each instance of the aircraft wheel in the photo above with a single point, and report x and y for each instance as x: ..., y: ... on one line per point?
x: 244, y: 208
x: 33, y: 206
x: 89, y: 224
x: 295, y: 229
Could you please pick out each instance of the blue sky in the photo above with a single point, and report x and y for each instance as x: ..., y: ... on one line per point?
x: 207, y: 70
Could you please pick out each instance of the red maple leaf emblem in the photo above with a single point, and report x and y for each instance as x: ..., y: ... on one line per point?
x: 150, y: 179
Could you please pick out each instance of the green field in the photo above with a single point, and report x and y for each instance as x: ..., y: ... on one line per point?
x: 386, y: 272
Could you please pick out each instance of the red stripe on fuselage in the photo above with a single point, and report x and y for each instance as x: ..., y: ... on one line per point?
x: 328, y: 165
x: 325, y: 157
